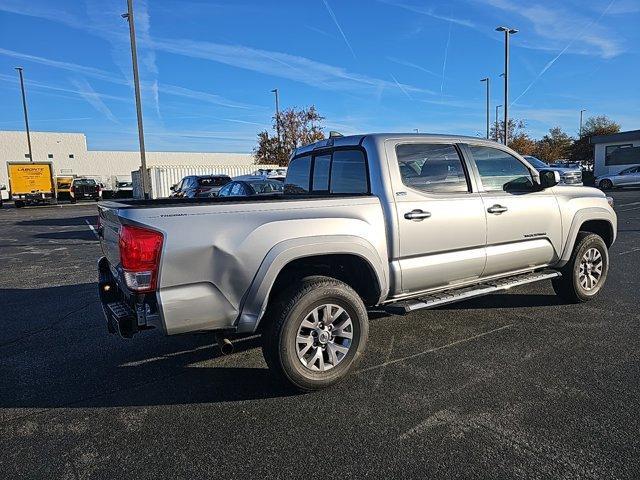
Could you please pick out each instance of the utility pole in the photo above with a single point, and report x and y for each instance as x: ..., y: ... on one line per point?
x: 497, y: 124
x: 136, y: 84
x: 488, y: 80
x: 507, y: 33
x: 581, y: 112
x: 26, y: 115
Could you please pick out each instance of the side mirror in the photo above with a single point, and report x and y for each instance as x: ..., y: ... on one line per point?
x: 549, y: 178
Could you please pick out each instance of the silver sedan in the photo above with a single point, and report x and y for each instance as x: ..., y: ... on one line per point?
x: 629, y: 177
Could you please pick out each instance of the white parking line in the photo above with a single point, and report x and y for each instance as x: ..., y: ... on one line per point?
x: 628, y: 204
x: 431, y: 350
x: 92, y: 228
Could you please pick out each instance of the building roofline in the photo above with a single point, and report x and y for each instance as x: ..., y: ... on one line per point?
x: 615, y: 137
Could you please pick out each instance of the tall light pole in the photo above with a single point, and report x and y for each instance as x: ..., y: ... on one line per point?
x: 488, y: 80
x: 26, y: 115
x: 581, y: 112
x: 136, y: 84
x: 275, y: 91
x: 507, y: 33
x: 497, y: 123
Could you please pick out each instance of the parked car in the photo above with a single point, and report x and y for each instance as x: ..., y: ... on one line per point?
x: 301, y: 268
x: 85, y: 189
x: 194, y: 186
x: 250, y: 186
x: 122, y: 187
x: 629, y: 177
x: 569, y: 175
x: 4, y: 194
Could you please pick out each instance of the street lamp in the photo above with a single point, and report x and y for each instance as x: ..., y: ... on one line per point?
x: 488, y: 80
x: 26, y: 116
x: 507, y: 32
x: 581, y: 112
x: 497, y: 124
x: 136, y: 84
x: 275, y: 91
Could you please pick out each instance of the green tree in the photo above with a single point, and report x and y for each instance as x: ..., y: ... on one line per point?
x: 554, y: 145
x: 516, y: 127
x: 582, y: 150
x: 297, y: 128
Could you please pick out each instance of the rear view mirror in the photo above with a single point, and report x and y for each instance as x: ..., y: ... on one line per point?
x: 172, y: 188
x: 549, y: 178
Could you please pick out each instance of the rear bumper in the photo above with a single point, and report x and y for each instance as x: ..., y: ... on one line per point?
x: 126, y: 313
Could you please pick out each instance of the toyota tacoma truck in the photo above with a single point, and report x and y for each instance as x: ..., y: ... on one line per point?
x: 394, y: 221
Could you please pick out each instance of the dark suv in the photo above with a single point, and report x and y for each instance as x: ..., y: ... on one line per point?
x: 85, y: 189
x: 194, y: 186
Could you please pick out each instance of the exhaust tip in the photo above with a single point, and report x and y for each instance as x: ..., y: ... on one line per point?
x: 225, y: 345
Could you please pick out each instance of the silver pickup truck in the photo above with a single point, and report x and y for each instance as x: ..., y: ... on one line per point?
x: 397, y: 221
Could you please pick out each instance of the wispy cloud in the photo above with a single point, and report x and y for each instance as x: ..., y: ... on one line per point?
x: 550, y: 63
x: 557, y: 24
x: 113, y: 78
x: 446, y: 55
x: 278, y: 64
x: 412, y: 65
x: 429, y: 12
x: 402, y: 89
x: 335, y: 20
x: 89, y: 94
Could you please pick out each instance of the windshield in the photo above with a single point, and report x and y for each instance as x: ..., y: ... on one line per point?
x: 268, y: 186
x: 536, y: 162
x: 213, y: 181
x: 85, y: 181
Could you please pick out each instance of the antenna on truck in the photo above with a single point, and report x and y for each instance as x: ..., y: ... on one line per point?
x: 334, y: 134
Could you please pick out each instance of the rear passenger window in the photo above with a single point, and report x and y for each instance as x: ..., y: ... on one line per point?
x: 349, y: 172
x: 432, y: 168
x: 297, y: 180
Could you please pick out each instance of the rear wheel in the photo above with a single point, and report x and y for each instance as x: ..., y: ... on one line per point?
x: 586, y: 272
x: 317, y: 330
x: 19, y: 203
x: 606, y: 184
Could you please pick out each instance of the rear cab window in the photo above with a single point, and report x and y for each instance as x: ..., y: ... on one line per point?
x: 341, y: 171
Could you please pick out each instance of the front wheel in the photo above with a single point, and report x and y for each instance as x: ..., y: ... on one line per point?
x: 317, y: 330
x: 586, y: 272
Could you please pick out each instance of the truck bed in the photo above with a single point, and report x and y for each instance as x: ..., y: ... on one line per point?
x: 185, y: 202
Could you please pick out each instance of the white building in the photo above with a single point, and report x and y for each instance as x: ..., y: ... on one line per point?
x: 69, y: 155
x: 615, y: 152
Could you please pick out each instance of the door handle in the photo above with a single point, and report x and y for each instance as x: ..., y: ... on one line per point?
x: 417, y: 215
x: 497, y: 209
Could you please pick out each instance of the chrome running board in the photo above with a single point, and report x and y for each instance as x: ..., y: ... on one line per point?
x: 465, y: 293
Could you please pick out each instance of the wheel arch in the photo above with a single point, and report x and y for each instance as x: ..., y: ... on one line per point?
x: 361, y: 265
x: 595, y: 220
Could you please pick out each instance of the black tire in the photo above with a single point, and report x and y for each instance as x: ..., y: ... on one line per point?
x: 605, y: 184
x: 568, y: 286
x: 19, y: 203
x: 285, y: 317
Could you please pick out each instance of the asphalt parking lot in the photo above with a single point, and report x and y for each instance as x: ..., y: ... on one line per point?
x: 516, y: 385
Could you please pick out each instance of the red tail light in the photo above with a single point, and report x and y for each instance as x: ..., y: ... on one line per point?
x: 140, y: 257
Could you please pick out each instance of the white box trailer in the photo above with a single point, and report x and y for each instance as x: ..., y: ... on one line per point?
x: 161, y: 178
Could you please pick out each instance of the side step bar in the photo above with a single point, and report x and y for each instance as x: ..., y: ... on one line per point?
x: 465, y: 293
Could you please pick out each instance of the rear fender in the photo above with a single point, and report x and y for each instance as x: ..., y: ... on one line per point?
x: 255, y: 301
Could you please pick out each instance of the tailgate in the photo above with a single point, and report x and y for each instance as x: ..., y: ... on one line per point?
x: 109, y: 233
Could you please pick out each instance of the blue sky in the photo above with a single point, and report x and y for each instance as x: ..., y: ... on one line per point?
x: 207, y: 67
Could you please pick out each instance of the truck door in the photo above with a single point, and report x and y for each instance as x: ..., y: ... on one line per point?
x: 523, y: 223
x: 440, y: 217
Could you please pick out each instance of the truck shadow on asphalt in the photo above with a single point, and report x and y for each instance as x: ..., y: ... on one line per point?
x: 66, y: 359
x: 55, y: 352
x: 85, y: 234
x: 59, y: 222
